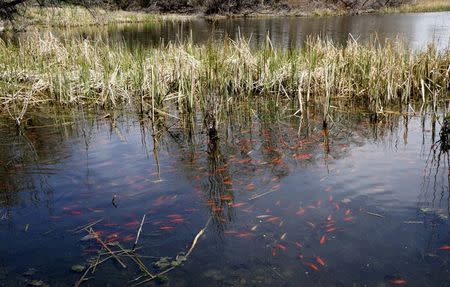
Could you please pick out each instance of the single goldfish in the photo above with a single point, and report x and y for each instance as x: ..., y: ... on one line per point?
x: 322, y: 240
x: 312, y: 266
x: 320, y: 261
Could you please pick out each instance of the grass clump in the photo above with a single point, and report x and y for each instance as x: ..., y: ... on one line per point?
x: 74, y: 16
x: 417, y: 6
x: 43, y: 68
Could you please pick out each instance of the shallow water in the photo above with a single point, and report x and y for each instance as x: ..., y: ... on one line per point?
x: 365, y: 202
x: 362, y: 204
x: 417, y: 30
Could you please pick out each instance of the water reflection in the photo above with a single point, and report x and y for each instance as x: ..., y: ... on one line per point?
x: 417, y: 30
x: 291, y: 202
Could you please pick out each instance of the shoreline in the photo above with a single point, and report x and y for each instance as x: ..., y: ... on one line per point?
x: 77, y: 16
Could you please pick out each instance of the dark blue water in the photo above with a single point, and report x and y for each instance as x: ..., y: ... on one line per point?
x: 362, y: 204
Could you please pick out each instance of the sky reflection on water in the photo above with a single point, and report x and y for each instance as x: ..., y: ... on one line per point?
x: 360, y: 204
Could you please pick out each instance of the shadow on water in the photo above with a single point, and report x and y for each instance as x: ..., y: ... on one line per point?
x: 291, y: 201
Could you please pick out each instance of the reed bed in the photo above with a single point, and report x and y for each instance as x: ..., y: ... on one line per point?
x: 45, y: 69
x: 74, y: 16
x: 417, y: 6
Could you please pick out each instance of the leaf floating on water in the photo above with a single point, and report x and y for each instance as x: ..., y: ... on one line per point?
x: 163, y: 263
x: 161, y: 279
x: 78, y: 268
x: 179, y: 259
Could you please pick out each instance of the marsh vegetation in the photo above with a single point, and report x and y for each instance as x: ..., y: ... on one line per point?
x: 182, y: 76
x: 276, y: 158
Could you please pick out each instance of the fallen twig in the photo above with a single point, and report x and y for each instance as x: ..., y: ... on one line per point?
x: 375, y: 214
x: 137, y: 261
x: 83, y: 227
x: 139, y: 232
x: 260, y: 195
x: 194, y: 243
x: 91, y: 231
x: 82, y: 279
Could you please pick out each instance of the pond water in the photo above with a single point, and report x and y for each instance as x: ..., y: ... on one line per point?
x: 279, y: 200
x: 416, y: 30
x: 284, y: 202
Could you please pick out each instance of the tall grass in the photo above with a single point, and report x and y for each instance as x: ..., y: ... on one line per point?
x: 416, y: 6
x: 43, y: 68
x: 74, y: 16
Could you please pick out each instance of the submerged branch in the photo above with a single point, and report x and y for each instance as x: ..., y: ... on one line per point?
x: 194, y: 243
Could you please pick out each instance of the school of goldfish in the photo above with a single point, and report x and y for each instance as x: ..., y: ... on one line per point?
x: 243, y: 184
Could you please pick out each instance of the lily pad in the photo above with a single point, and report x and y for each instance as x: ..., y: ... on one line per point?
x: 161, y: 279
x: 78, y: 268
x: 179, y: 259
x: 163, y: 263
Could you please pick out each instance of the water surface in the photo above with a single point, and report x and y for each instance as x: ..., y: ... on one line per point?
x: 283, y: 201
x: 417, y: 30
x: 362, y: 204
